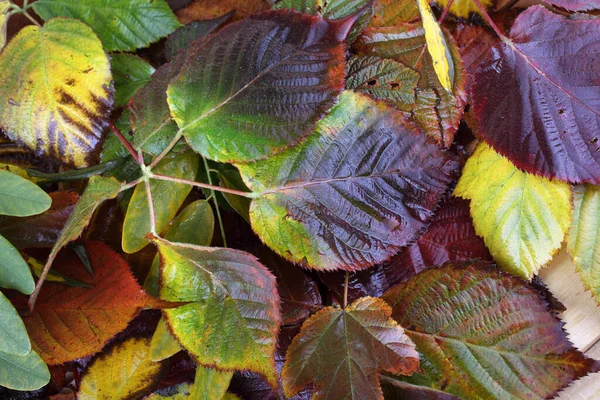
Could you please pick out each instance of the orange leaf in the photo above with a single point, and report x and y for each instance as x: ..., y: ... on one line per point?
x: 70, y: 322
x: 209, y: 9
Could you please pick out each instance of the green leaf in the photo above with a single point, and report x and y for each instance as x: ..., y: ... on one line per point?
x: 163, y: 344
x: 584, y: 236
x: 231, y: 179
x: 130, y: 74
x: 483, y: 334
x: 194, y: 225
x: 522, y: 218
x: 15, y: 340
x: 14, y: 272
x: 293, y: 63
x: 55, y: 90
x: 343, y: 350
x: 20, y: 197
x: 4, y: 9
x: 233, y: 317
x: 210, y: 383
x: 27, y: 372
x: 356, y: 191
x: 123, y: 25
x: 167, y: 196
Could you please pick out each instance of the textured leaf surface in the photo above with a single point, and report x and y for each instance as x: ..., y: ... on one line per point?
x: 123, y: 372
x: 343, y: 351
x: 209, y: 9
x: 536, y: 98
x: 55, y: 90
x: 130, y: 73
x: 233, y: 316
x: 72, y: 322
x: 465, y: 9
x: 14, y: 272
x: 436, y: 110
x: 293, y: 62
x: 584, y: 236
x: 23, y: 373
x: 362, y: 186
x: 482, y: 334
x: 121, y: 24
x: 522, y: 218
x: 40, y: 230
x: 576, y: 5
x: 20, y: 197
x: 167, y: 196
x: 14, y: 335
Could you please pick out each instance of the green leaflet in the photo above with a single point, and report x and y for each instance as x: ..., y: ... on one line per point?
x: 130, y: 73
x: 123, y: 25
x: 14, y: 272
x: 15, y: 340
x: 210, y: 383
x: 163, y: 344
x: 232, y: 319
x: 27, y: 372
x: 167, y: 196
x: 20, y: 197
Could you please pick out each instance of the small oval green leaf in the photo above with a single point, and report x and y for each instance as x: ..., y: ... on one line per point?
x: 20, y: 197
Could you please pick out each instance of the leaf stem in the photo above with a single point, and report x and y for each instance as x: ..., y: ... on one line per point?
x: 126, y: 143
x: 40, y: 282
x: 445, y: 13
x: 490, y: 21
x: 150, y: 205
x: 162, y: 155
x: 201, y: 185
x: 217, y: 210
x: 346, y: 280
x: 131, y: 184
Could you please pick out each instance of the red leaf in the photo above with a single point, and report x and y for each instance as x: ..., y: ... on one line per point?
x: 576, y: 5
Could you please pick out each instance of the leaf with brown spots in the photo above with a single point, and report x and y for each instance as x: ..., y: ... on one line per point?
x: 55, y: 90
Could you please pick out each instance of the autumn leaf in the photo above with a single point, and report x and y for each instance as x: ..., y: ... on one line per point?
x: 491, y: 335
x: 576, y: 5
x: 299, y: 75
x: 210, y: 383
x: 209, y: 9
x: 394, y: 13
x: 163, y: 344
x: 121, y: 24
x: 232, y: 318
x: 60, y: 74
x: 72, y: 322
x: 124, y: 371
x: 4, y: 9
x: 342, y: 352
x: 361, y: 187
x: 533, y: 96
x: 466, y: 9
x: 130, y: 74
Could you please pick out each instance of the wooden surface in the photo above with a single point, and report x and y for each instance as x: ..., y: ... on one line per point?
x: 582, y: 319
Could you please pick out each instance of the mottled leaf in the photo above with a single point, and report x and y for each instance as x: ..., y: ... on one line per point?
x: 121, y: 24
x: 73, y: 322
x: 584, y: 236
x: 167, y: 196
x: 4, y: 9
x: 233, y: 316
x: 40, y: 230
x: 466, y: 9
x: 293, y: 62
x: 576, y: 5
x: 210, y: 383
x: 342, y: 352
x: 23, y: 372
x: 123, y: 372
x: 209, y: 9
x: 482, y: 334
x: 55, y: 90
x: 535, y: 97
x: 130, y: 73
x: 394, y: 13
x: 14, y: 272
x: 14, y: 335
x: 163, y: 344
x: 361, y: 187
x: 522, y: 218
x: 20, y: 197
x: 436, y: 110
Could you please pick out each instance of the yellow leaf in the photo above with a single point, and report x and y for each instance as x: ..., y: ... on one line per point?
x: 55, y: 90
x: 4, y: 4
x: 123, y: 372
x: 465, y: 9
x: 437, y: 47
x: 522, y: 218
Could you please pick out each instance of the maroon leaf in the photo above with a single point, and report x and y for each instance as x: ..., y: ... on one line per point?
x: 536, y: 98
x: 576, y: 5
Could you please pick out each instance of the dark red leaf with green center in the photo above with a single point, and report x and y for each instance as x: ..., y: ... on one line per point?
x: 484, y: 334
x: 536, y: 98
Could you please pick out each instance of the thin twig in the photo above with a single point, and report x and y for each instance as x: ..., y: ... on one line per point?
x: 489, y: 20
x: 131, y: 184
x: 125, y: 142
x: 346, y: 280
x: 445, y: 13
x: 217, y: 210
x: 40, y: 282
x: 29, y: 17
x: 201, y: 185
x: 162, y: 155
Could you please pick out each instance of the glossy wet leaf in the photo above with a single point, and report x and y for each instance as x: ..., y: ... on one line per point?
x: 576, y: 5
x: 483, y: 334
x: 40, y: 230
x: 73, y: 322
x: 361, y: 187
x: 343, y: 351
x: 294, y: 62
x: 27, y: 372
x: 584, y: 236
x: 55, y: 90
x: 233, y: 316
x: 209, y: 9
x: 522, y: 218
x: 535, y: 97
x: 14, y: 336
x: 130, y: 73
x: 466, y: 9
x: 14, y: 272
x: 163, y: 344
x: 436, y: 110
x: 121, y: 24
x: 124, y: 371
x: 20, y: 197
x: 210, y: 383
x: 167, y: 196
